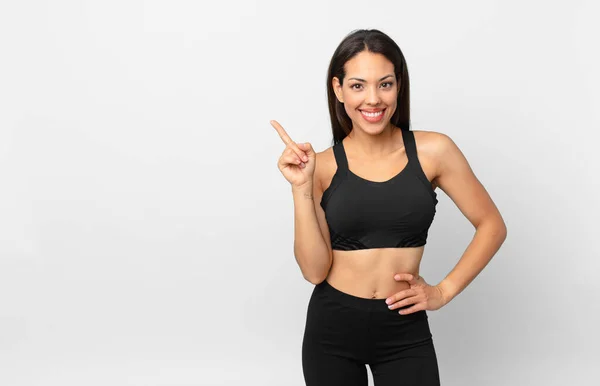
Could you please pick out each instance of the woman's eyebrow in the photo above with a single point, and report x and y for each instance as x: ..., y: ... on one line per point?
x: 362, y: 80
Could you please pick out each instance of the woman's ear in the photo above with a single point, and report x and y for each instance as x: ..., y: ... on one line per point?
x: 337, y: 89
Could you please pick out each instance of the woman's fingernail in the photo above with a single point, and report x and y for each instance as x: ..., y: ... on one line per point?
x: 388, y: 301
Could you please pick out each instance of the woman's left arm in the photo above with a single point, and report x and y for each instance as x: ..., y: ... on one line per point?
x: 456, y: 178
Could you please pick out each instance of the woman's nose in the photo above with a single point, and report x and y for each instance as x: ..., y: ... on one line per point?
x: 372, y: 96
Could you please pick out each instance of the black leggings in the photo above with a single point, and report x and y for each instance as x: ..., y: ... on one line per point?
x: 344, y: 333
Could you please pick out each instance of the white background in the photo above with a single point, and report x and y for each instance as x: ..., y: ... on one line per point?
x: 146, y: 234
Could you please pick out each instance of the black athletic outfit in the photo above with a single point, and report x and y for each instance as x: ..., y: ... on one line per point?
x: 343, y: 332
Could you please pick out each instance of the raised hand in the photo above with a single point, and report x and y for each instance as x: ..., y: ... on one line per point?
x: 298, y: 160
x: 420, y: 295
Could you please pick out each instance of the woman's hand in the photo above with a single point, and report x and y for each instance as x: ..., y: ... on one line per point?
x: 298, y: 160
x: 420, y: 294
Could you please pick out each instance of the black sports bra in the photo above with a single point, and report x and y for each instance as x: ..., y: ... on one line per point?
x: 364, y: 214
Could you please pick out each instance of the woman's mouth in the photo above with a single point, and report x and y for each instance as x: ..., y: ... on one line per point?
x: 372, y: 117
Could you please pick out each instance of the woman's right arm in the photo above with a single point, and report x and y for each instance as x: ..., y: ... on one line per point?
x: 312, y: 246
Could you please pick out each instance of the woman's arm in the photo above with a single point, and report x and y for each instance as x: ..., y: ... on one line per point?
x: 312, y: 246
x: 456, y: 178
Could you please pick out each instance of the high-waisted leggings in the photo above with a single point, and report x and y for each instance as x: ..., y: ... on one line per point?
x: 344, y: 333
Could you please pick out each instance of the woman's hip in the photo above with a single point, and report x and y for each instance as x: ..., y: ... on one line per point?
x: 360, y: 327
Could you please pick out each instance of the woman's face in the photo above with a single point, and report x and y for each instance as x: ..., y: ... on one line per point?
x: 369, y: 92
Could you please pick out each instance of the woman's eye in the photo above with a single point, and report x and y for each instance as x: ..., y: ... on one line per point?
x: 360, y: 85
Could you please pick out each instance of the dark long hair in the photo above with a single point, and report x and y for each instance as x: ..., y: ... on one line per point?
x: 374, y: 41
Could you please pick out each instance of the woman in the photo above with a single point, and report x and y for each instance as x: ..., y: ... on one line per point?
x: 363, y: 209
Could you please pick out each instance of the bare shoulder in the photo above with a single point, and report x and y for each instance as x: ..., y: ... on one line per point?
x: 325, y: 169
x: 456, y: 178
x: 438, y: 146
x: 430, y: 142
x: 431, y: 146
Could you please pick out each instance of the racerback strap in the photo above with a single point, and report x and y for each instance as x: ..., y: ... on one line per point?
x: 340, y: 158
x: 410, y: 146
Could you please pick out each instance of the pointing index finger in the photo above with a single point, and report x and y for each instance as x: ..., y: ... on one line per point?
x: 284, y: 136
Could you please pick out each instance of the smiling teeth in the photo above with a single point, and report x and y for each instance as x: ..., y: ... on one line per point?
x: 372, y: 114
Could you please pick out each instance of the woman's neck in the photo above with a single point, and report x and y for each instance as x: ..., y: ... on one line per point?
x: 374, y: 146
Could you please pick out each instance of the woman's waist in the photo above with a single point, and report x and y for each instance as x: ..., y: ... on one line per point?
x: 370, y: 274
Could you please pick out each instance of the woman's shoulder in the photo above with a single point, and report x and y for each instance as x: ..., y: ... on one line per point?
x: 429, y: 136
x: 434, y: 149
x: 325, y: 167
x: 430, y: 142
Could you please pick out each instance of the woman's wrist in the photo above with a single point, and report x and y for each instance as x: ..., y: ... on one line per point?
x: 303, y: 189
x: 447, y: 293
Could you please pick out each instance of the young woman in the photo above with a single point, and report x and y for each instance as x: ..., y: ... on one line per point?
x: 363, y: 209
